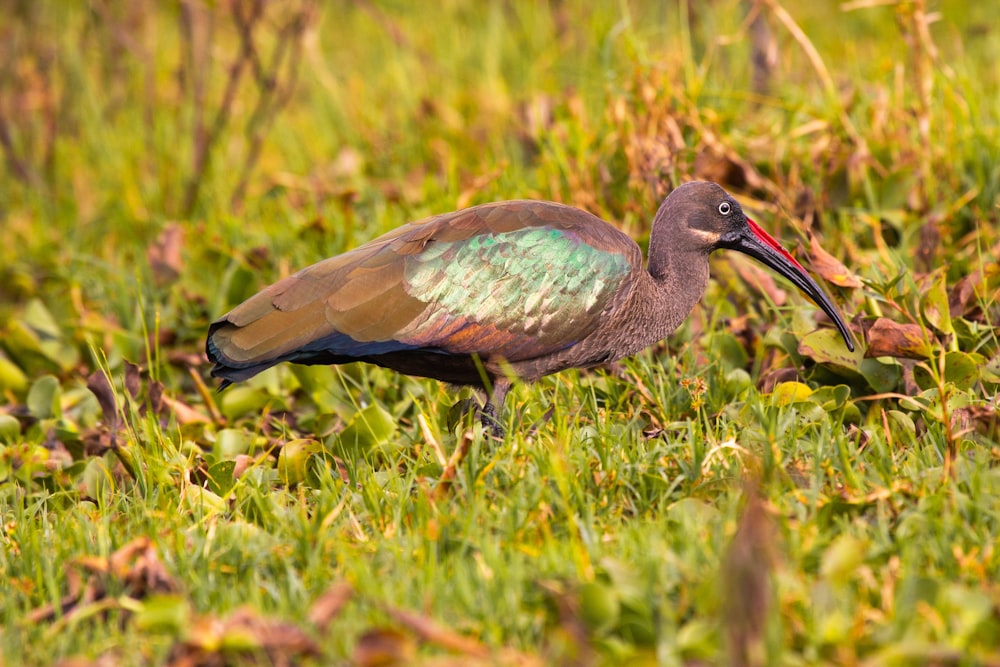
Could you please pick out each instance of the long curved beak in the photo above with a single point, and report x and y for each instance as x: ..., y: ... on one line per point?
x: 757, y: 243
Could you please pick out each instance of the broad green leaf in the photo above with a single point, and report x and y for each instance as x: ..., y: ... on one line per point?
x: 10, y: 429
x: 991, y: 370
x: 724, y: 347
x: 691, y: 511
x: 827, y: 346
x: 202, y: 502
x: 43, y: 398
x: 903, y: 423
x: 599, y: 606
x: 293, y: 459
x: 737, y: 382
x: 12, y: 378
x: 220, y: 477
x: 97, y: 479
x: 698, y: 640
x: 935, y: 306
x: 242, y: 400
x: 966, y: 609
x: 842, y: 558
x: 230, y: 443
x: 831, y: 398
x: 961, y: 369
x: 169, y: 614
x: 370, y: 429
x: 882, y: 375
x: 786, y: 393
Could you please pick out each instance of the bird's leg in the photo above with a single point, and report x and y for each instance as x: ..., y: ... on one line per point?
x: 491, y: 414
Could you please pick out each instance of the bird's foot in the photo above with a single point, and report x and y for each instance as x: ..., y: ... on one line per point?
x: 491, y: 421
x: 485, y: 413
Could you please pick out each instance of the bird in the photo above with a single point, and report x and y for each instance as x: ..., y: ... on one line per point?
x: 511, y: 290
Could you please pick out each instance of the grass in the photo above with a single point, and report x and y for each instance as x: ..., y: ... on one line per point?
x: 742, y: 493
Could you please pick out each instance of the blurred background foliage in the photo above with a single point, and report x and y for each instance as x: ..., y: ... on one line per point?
x: 163, y: 161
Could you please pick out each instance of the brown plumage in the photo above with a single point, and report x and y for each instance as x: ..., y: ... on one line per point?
x: 524, y: 286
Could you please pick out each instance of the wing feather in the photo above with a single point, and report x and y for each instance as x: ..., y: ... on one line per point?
x: 515, y: 280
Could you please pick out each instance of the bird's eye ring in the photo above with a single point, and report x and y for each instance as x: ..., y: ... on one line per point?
x: 725, y: 208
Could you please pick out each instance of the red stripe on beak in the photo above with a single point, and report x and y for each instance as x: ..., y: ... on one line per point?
x: 769, y: 240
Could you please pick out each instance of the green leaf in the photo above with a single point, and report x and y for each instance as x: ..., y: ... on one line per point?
x: 43, y: 398
x: 724, y: 347
x: 12, y: 378
x: 903, y: 423
x: 738, y: 381
x: 961, y: 369
x: 966, y: 610
x: 243, y: 400
x: 826, y: 346
x: 934, y: 306
x: 220, y: 477
x: 202, y: 502
x: 293, y: 459
x: 230, y: 443
x: 97, y: 479
x: 831, y: 398
x: 10, y: 429
x: 169, y: 614
x: 599, y: 606
x: 882, y: 375
x: 369, y: 430
x: 786, y: 393
x: 842, y: 559
x: 38, y: 317
x: 990, y: 371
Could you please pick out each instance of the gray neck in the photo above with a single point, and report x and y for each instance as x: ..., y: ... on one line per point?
x: 678, y: 272
x: 675, y: 285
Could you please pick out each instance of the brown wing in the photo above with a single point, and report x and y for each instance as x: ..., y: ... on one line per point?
x: 515, y: 279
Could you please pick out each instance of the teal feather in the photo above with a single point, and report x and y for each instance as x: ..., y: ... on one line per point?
x: 538, y: 282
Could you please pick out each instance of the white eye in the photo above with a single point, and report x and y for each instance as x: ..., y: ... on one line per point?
x: 725, y: 208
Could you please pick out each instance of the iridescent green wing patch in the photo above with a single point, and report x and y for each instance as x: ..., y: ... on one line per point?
x: 540, y: 288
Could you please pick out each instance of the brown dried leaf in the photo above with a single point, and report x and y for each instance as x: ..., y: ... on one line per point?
x: 747, y: 578
x: 142, y: 577
x: 573, y: 636
x: 711, y: 165
x: 763, y: 281
x: 430, y: 631
x: 101, y: 388
x: 384, y: 647
x: 775, y: 376
x: 930, y: 239
x: 891, y: 339
x: 132, y: 379
x: 120, y: 558
x: 74, y: 584
x: 164, y: 255
x: 829, y: 267
x: 147, y: 575
x: 449, y: 472
x: 211, y: 641
x: 329, y: 605
x: 243, y: 461
x: 183, y: 412
x: 109, y: 659
x: 962, y: 294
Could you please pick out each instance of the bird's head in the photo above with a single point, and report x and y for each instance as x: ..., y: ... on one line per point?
x: 702, y: 217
